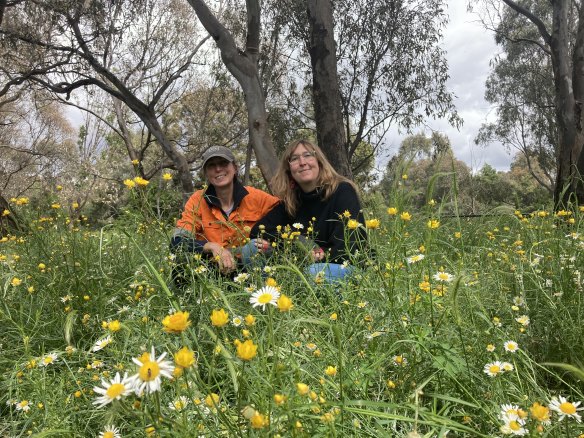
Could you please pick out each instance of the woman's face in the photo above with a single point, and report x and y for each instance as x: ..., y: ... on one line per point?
x: 220, y: 172
x: 304, y: 168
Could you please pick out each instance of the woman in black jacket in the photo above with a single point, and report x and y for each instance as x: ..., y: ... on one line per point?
x: 317, y: 202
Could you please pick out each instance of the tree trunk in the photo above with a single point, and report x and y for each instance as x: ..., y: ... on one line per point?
x: 569, y: 132
x: 244, y: 68
x: 569, y: 97
x: 325, y: 86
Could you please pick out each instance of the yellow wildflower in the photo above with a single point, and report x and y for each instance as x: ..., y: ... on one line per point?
x: 176, y: 323
x: 284, y: 303
x: 185, y: 358
x: 219, y: 317
x: 247, y: 350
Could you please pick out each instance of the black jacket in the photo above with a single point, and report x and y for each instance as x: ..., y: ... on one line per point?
x: 326, y: 218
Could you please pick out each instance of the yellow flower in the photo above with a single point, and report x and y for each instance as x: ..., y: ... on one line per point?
x: 280, y: 399
x: 390, y: 384
x: 539, y: 412
x: 185, y: 358
x: 166, y: 176
x: 129, y: 183
x: 352, y: 224
x: 141, y: 181
x: 284, y: 303
x: 404, y: 177
x: 247, y: 350
x: 333, y: 316
x: 59, y: 187
x: 258, y: 421
x: 302, y: 388
x: 16, y: 281
x: 176, y: 323
x: 457, y: 234
x: 212, y: 400
x: 5, y: 212
x: 271, y: 282
x: 346, y: 214
x: 219, y: 317
x: 372, y: 224
x: 433, y: 224
x: 114, y: 326
x: 250, y: 320
x: 75, y: 205
x: 56, y: 206
x: 392, y: 211
x: 331, y: 371
x: 405, y: 216
x: 135, y: 162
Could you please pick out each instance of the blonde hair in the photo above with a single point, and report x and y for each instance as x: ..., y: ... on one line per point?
x: 284, y: 186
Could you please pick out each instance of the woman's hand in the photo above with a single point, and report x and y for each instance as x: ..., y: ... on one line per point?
x: 222, y: 255
x: 317, y: 254
x: 262, y: 245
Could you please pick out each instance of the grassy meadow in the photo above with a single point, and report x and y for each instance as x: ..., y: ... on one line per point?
x: 458, y: 327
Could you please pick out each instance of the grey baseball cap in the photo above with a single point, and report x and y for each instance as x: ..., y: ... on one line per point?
x: 217, y: 151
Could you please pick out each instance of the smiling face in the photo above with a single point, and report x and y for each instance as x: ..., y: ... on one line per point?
x: 220, y: 172
x: 304, y: 168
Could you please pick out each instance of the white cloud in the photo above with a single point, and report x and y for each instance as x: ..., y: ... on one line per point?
x: 469, y: 49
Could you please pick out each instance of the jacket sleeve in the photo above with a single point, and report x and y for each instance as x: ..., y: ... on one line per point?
x: 188, y: 234
x: 266, y: 202
x: 341, y: 240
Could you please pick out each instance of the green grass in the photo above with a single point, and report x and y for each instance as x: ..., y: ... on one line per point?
x: 405, y: 352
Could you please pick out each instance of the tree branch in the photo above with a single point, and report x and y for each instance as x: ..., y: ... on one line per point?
x: 531, y: 17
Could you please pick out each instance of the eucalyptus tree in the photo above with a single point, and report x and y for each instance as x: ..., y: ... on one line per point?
x: 391, y: 69
x: 138, y: 52
x: 242, y: 61
x: 521, y: 85
x: 559, y: 34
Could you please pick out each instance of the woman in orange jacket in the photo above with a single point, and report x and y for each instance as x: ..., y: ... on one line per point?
x: 217, y: 221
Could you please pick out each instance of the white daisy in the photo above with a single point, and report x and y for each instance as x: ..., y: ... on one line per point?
x: 399, y: 360
x: 518, y: 301
x: 49, y: 359
x: 506, y: 366
x: 66, y: 298
x: 298, y: 226
x: 514, y: 426
x: 416, y: 258
x: 110, y: 432
x: 565, y: 408
x: 237, y: 321
x: 149, y: 372
x: 263, y: 296
x: 512, y: 411
x: 493, y: 369
x: 511, y: 346
x: 23, y: 406
x: 179, y: 404
x: 443, y: 276
x: 102, y: 343
x: 523, y: 320
x: 241, y: 278
x: 114, y: 390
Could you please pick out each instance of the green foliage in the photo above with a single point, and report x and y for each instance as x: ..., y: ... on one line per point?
x: 401, y: 347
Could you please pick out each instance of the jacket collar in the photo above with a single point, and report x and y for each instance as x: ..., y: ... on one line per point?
x: 239, y: 192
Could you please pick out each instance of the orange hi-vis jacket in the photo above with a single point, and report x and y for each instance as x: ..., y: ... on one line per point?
x: 205, y: 221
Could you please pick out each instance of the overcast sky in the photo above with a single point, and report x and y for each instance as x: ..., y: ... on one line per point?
x: 469, y: 49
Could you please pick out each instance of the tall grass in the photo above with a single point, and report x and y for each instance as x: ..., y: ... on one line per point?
x: 397, y: 350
